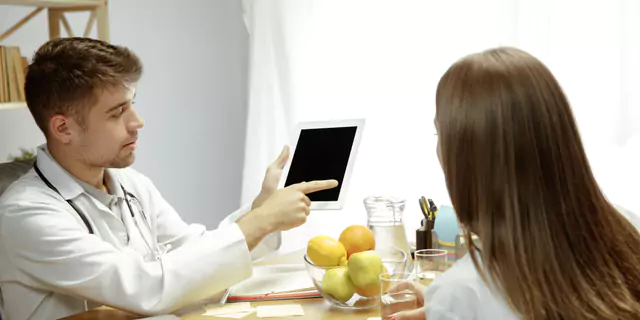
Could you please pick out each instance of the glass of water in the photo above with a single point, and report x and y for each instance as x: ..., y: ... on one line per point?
x: 430, y: 264
x: 393, y: 300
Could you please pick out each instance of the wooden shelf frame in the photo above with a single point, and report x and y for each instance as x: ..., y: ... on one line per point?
x: 12, y: 105
x: 55, y: 13
x: 53, y: 3
x: 56, y: 9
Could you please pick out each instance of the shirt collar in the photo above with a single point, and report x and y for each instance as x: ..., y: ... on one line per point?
x: 68, y: 185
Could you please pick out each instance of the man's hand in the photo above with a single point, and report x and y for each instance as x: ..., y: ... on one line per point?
x: 285, y: 209
x: 271, y: 178
x: 289, y: 207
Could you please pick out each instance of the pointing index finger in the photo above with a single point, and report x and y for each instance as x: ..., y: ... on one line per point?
x: 314, y: 186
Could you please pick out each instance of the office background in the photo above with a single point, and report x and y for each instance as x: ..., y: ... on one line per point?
x: 225, y: 81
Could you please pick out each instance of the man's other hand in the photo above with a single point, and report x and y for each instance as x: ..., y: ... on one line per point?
x: 271, y: 178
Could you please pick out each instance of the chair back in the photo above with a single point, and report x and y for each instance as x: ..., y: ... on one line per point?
x: 9, y: 173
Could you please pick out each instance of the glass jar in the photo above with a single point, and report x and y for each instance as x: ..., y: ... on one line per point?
x: 385, y: 219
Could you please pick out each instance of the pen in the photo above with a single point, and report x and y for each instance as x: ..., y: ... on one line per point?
x: 423, y: 201
x: 424, y: 210
x: 225, y: 297
x: 433, y: 208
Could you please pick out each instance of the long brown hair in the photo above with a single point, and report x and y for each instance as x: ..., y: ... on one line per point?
x: 518, y: 177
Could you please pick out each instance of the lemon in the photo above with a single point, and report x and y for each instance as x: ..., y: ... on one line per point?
x: 325, y: 251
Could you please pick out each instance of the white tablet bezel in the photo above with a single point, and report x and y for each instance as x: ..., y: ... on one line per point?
x: 359, y: 124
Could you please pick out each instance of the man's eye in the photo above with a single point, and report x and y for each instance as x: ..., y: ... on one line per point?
x: 118, y: 112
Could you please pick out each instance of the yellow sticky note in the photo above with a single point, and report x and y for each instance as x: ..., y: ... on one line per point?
x: 285, y: 310
x: 229, y: 308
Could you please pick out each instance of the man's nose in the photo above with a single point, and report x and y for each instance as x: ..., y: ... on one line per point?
x: 136, y: 121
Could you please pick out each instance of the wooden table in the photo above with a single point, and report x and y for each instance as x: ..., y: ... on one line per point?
x: 314, y: 309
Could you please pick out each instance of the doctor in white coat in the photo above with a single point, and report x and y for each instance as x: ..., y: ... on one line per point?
x: 81, y: 229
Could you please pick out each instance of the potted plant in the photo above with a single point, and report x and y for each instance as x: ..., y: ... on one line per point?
x: 25, y: 155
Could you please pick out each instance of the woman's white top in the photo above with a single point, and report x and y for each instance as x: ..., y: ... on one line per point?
x: 461, y: 294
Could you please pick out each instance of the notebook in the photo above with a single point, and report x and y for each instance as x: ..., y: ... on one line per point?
x: 275, y: 282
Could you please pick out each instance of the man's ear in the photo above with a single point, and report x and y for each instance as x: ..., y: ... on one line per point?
x: 62, y: 128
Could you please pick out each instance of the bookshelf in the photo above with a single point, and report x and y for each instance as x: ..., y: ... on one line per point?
x: 57, y: 21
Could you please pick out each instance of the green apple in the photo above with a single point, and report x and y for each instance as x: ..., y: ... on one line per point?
x: 337, y: 283
x: 364, y: 270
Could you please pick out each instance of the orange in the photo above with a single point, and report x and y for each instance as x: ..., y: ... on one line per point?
x: 357, y: 238
x: 369, y: 292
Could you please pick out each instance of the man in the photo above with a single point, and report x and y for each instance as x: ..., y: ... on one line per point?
x: 82, y: 230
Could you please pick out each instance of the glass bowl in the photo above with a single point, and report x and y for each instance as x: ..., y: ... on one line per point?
x: 394, y: 260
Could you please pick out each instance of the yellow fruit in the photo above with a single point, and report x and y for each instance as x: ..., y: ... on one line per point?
x: 336, y: 282
x: 385, y: 285
x: 357, y: 238
x: 365, y: 269
x: 325, y: 251
x: 374, y: 290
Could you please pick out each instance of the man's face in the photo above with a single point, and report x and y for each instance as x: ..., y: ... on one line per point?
x: 110, y: 131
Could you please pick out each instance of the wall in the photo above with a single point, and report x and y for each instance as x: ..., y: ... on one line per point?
x: 192, y: 96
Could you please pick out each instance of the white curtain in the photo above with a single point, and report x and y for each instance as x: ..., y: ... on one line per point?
x: 382, y: 59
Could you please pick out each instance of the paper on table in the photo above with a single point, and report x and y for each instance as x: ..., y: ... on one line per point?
x: 229, y: 308
x: 236, y: 315
x: 284, y: 310
x: 274, y: 278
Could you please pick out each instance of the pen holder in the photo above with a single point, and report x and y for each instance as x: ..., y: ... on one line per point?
x: 426, y: 239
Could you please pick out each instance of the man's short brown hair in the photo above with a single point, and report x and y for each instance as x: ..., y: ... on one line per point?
x: 66, y: 75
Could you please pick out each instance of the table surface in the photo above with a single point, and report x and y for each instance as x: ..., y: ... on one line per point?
x: 314, y: 309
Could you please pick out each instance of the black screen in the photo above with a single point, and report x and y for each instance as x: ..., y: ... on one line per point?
x: 322, y: 154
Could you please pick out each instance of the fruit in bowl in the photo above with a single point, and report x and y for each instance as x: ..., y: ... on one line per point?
x: 326, y: 251
x: 357, y: 238
x: 349, y: 278
x: 337, y: 283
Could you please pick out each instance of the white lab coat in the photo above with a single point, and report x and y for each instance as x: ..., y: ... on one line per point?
x: 460, y: 293
x: 50, y: 266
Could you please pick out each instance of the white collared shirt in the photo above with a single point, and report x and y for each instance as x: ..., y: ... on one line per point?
x: 149, y: 262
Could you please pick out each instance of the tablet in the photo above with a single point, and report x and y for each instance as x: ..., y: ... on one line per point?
x: 320, y: 151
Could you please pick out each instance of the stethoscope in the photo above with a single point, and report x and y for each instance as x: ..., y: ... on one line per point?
x: 128, y: 198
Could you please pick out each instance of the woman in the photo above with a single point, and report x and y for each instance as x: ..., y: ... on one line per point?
x: 551, y: 245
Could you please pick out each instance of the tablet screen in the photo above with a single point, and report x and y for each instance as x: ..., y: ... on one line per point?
x: 322, y: 154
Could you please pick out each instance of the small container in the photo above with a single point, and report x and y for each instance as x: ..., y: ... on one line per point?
x: 426, y: 237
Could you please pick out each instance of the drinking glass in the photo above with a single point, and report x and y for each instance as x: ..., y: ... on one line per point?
x: 430, y: 264
x: 393, y: 301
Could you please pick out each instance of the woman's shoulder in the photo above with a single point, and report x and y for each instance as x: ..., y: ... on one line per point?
x: 633, y: 218
x: 460, y: 293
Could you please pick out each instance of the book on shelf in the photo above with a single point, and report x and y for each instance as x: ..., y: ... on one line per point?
x: 13, y: 68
